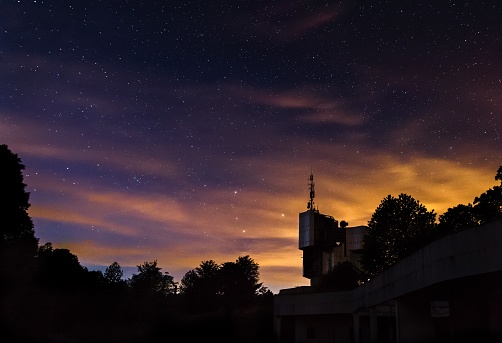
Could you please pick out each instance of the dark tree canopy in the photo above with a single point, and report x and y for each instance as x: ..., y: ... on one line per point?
x: 487, y: 208
x: 498, y: 176
x: 456, y: 219
x: 250, y: 270
x: 230, y: 285
x: 16, y: 227
x: 59, y: 268
x: 150, y: 280
x: 113, y: 273
x: 188, y: 281
x: 239, y: 281
x: 207, y: 269
x: 398, y: 227
x: 200, y: 288
x: 491, y: 199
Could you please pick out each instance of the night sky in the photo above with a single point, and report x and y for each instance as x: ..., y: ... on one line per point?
x: 184, y: 131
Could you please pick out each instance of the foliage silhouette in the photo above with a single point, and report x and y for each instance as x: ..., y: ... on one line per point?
x: 59, y: 267
x: 199, y: 288
x: 226, y: 287
x: 151, y: 280
x: 113, y: 274
x: 398, y: 227
x: 456, y: 219
x: 17, y: 235
x: 487, y: 208
x: 239, y: 284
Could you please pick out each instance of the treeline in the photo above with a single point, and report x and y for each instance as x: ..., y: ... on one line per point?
x: 46, y: 295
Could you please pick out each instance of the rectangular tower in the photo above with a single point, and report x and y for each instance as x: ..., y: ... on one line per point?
x: 319, y: 238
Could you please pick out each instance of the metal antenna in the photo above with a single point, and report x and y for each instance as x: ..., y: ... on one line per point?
x: 310, y: 204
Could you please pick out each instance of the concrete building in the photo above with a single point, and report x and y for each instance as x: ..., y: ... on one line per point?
x: 448, y: 291
x: 325, y: 242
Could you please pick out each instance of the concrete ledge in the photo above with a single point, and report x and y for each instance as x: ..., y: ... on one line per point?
x: 466, y: 253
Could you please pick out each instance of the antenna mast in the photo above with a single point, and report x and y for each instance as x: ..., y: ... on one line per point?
x: 310, y: 204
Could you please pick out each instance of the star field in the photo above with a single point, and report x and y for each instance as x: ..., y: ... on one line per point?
x: 184, y: 131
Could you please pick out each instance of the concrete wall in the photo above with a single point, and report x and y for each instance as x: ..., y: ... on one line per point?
x: 470, y: 252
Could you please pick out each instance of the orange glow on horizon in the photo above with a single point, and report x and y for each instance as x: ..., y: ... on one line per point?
x: 222, y: 224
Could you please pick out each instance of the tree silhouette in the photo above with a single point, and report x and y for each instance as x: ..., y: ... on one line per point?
x: 151, y: 280
x: 488, y: 206
x: 231, y: 285
x: 113, y: 274
x: 456, y: 219
x: 188, y: 282
x: 239, y: 284
x: 207, y: 269
x: 200, y: 289
x: 17, y: 236
x: 59, y: 269
x: 498, y: 176
x: 398, y: 227
x: 250, y: 270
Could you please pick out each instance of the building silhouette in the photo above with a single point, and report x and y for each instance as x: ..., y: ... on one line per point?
x: 325, y: 242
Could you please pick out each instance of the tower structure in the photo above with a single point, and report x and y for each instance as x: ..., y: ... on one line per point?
x: 320, y: 239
